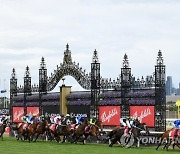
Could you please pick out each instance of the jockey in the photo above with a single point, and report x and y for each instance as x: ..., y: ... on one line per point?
x: 93, y: 120
x: 31, y: 118
x: 52, y: 119
x: 127, y: 123
x: 57, y: 120
x: 68, y: 119
x: 177, y: 126
x: 79, y: 119
x: 2, y: 118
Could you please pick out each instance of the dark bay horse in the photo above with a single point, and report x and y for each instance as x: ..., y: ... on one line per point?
x: 66, y: 130
x: 134, y: 133
x: 80, y: 131
x: 61, y: 130
x: 3, y: 128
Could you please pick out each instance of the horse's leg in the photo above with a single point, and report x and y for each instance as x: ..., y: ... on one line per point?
x: 36, y: 137
x: 113, y: 141
x: 159, y: 144
x: 168, y: 144
x: 73, y: 138
x: 64, y: 138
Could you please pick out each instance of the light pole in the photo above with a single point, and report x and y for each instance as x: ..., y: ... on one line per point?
x: 178, y: 105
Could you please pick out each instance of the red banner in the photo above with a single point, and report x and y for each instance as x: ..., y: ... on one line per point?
x: 109, y: 115
x: 33, y: 111
x: 145, y: 114
x: 18, y: 113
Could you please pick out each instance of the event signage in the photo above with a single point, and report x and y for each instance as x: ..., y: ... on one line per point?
x: 4, y: 111
x: 18, y: 113
x: 33, y: 111
x: 145, y: 114
x: 109, y: 115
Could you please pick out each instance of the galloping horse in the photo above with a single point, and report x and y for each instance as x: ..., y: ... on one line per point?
x: 94, y: 130
x: 173, y: 138
x: 61, y: 130
x: 164, y: 136
x: 167, y: 136
x: 31, y: 130
x: 80, y: 131
x: 2, y: 128
x: 42, y: 127
x: 66, y: 130
x: 20, y: 130
x: 135, y: 132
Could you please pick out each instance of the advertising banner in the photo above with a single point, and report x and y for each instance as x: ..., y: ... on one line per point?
x: 18, y: 113
x: 33, y: 111
x: 145, y: 114
x: 110, y: 115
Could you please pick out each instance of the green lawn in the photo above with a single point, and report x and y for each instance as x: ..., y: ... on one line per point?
x: 12, y: 146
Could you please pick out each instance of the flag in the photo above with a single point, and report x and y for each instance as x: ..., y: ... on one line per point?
x: 3, y: 91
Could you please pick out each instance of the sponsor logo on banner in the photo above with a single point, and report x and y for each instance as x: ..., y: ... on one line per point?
x: 33, y: 110
x: 4, y: 111
x: 109, y: 115
x: 18, y: 113
x: 145, y: 114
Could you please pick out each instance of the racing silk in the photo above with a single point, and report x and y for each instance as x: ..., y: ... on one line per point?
x: 79, y: 119
x: 52, y: 119
x: 123, y: 122
x: 177, y: 124
x: 24, y: 119
x: 68, y: 121
x: 92, y: 121
x: 30, y: 119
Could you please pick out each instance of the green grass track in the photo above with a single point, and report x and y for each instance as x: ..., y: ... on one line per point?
x: 12, y: 146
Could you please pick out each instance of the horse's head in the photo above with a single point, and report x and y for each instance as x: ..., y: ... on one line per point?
x: 99, y: 124
x: 144, y: 127
x: 94, y: 130
x: 85, y: 122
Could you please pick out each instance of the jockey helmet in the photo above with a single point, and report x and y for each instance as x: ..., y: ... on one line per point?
x: 34, y: 115
x: 67, y: 115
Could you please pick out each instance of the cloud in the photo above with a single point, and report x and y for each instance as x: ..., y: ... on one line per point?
x: 32, y: 29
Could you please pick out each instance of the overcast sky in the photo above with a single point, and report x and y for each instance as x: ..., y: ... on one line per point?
x: 36, y: 28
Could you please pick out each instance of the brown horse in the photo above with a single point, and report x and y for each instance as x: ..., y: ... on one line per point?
x: 41, y: 129
x: 93, y: 130
x: 2, y: 128
x: 66, y: 130
x: 79, y: 132
x: 173, y: 139
x: 19, y: 130
x: 166, y: 136
x: 31, y: 130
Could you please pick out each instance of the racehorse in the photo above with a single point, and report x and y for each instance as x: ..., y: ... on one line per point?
x: 2, y: 128
x: 168, y: 135
x: 20, y: 130
x: 42, y: 127
x: 94, y: 130
x: 80, y: 131
x: 66, y: 130
x: 165, y: 135
x: 173, y: 138
x: 31, y: 130
x: 134, y: 133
